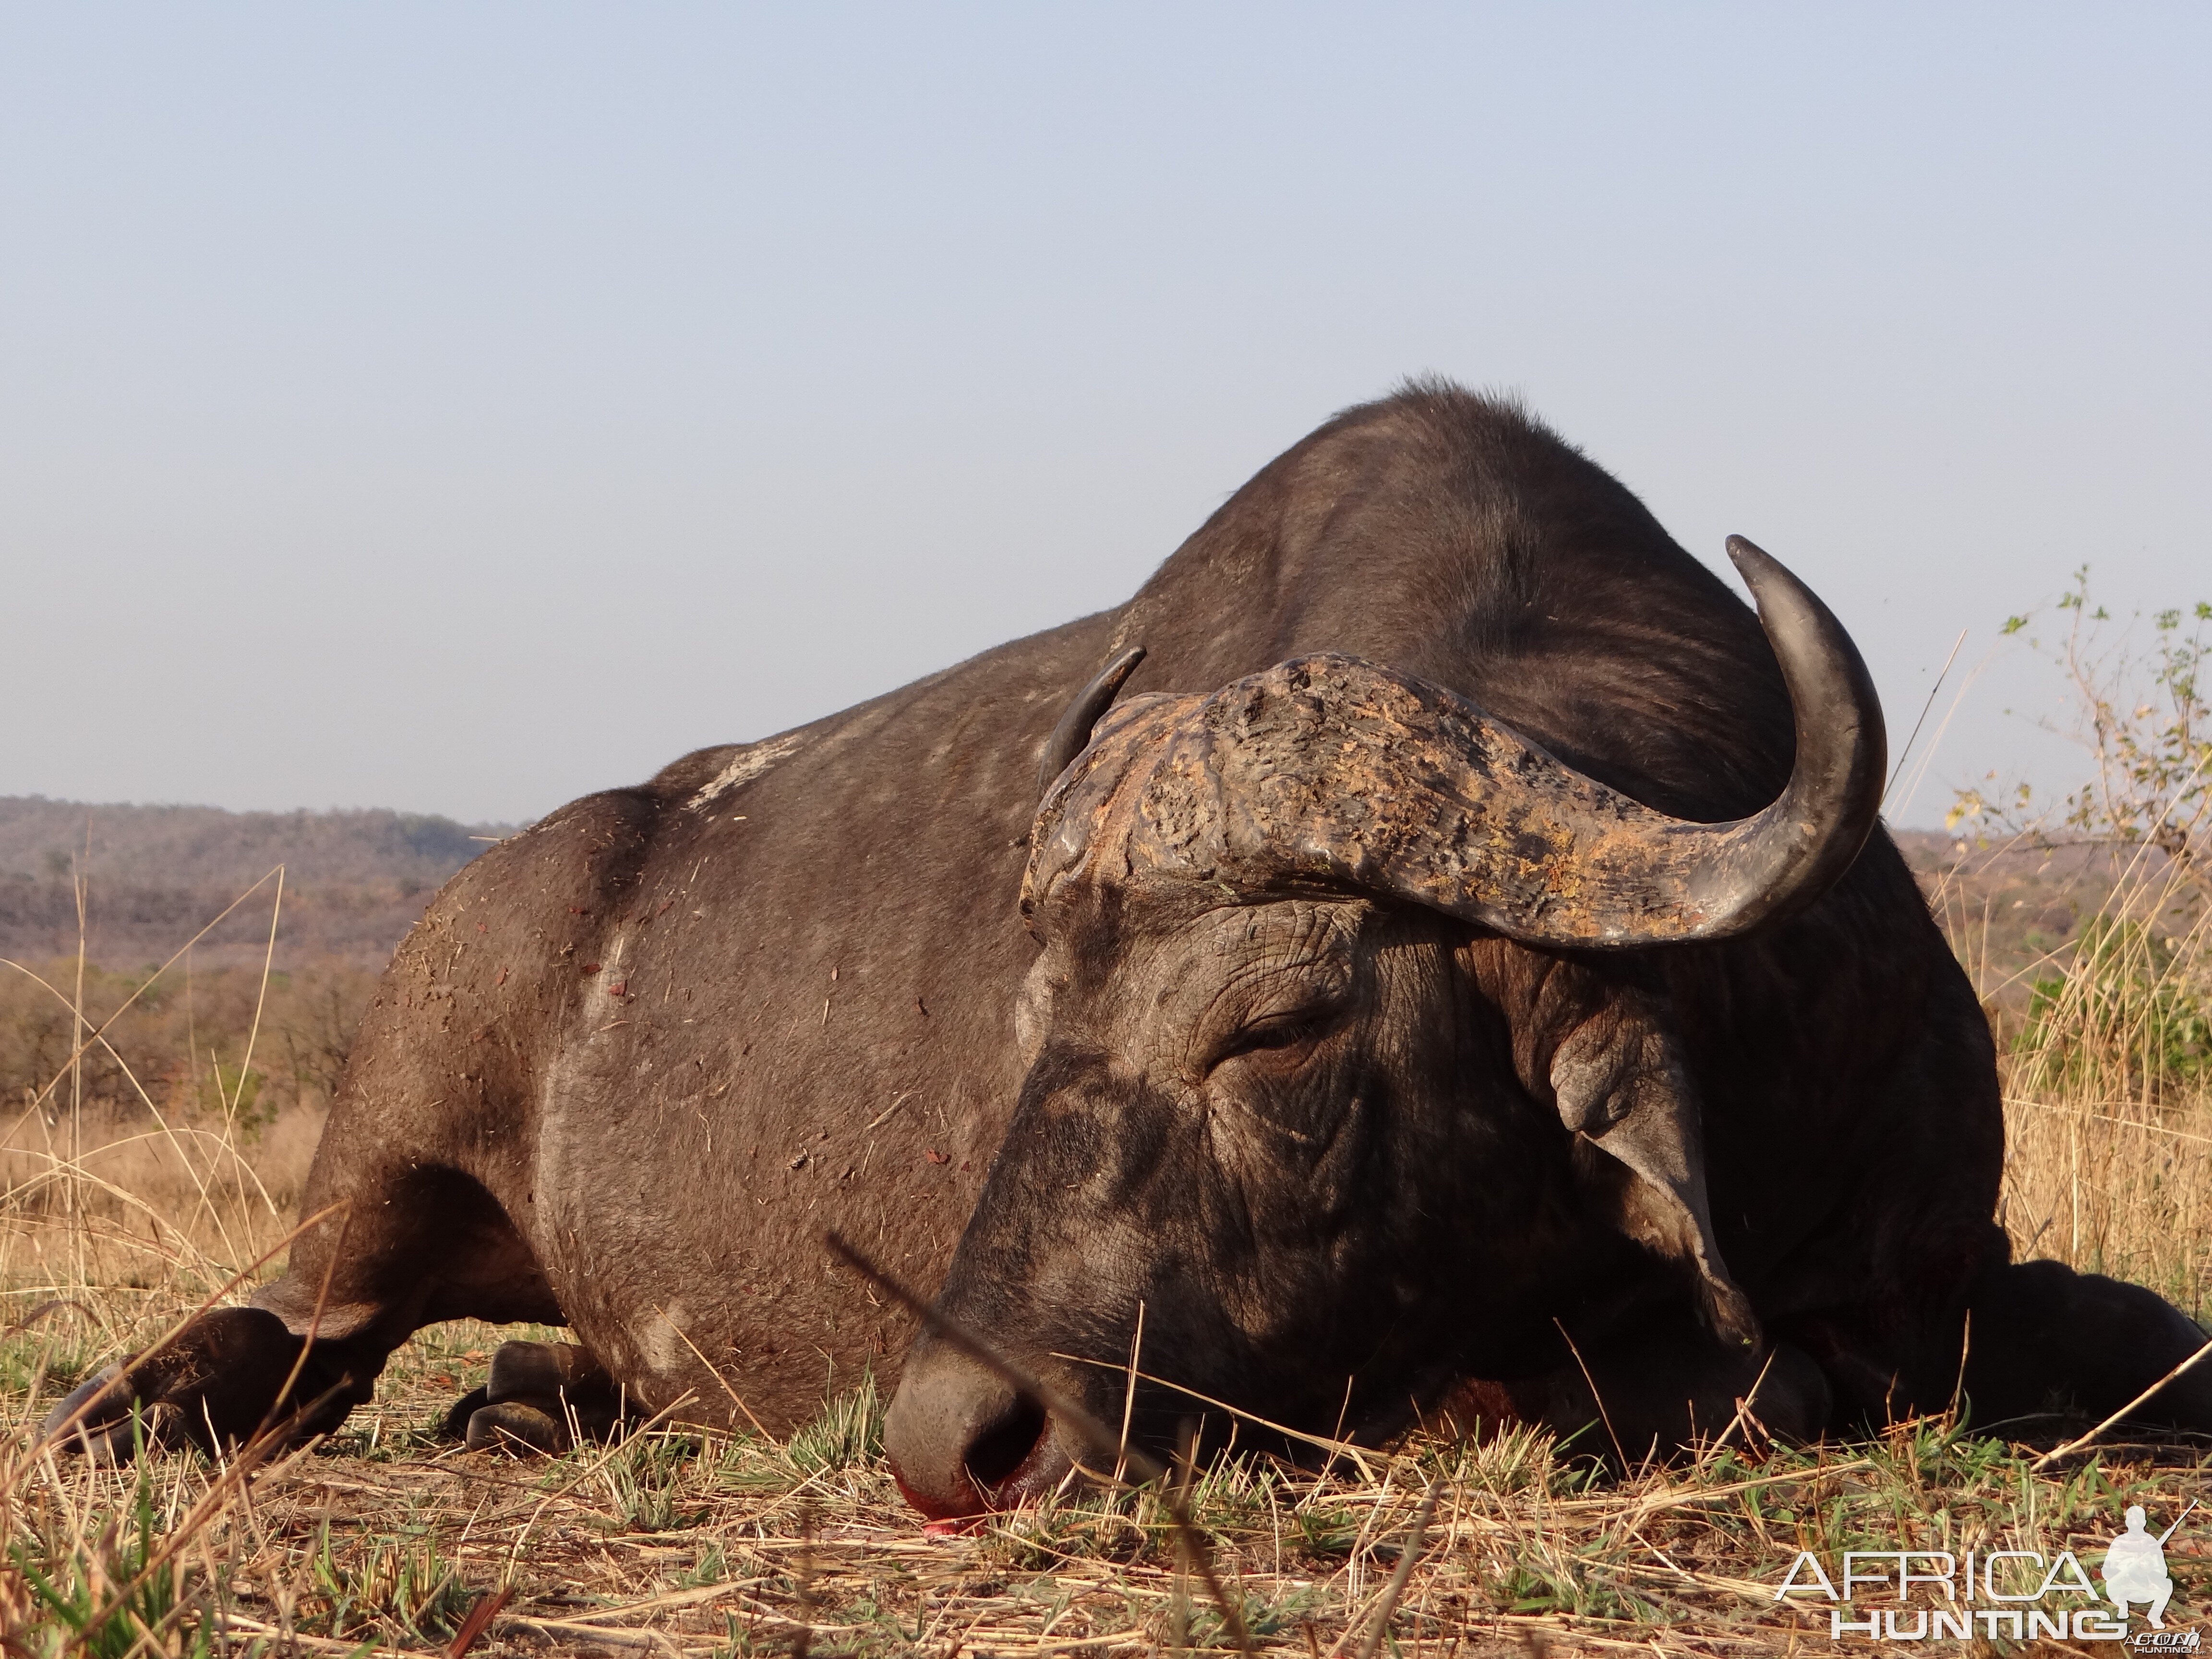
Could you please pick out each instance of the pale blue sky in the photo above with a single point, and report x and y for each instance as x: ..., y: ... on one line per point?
x: 462, y: 407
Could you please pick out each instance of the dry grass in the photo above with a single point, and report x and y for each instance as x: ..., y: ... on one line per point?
x: 122, y: 1214
x: 2108, y: 1079
x: 713, y: 1545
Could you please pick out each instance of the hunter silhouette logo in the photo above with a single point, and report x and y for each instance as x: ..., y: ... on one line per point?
x: 1934, y: 1595
x: 2135, y: 1567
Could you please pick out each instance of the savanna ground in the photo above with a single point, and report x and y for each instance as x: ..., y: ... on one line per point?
x: 161, y: 1131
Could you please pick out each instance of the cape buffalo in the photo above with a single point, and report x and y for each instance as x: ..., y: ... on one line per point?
x: 1452, y: 978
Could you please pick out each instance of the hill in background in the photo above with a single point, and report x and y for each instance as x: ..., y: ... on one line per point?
x: 355, y: 881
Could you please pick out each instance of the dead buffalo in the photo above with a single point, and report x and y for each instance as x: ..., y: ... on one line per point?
x: 1453, y: 976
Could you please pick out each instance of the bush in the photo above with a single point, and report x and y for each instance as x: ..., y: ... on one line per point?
x: 2123, y: 1019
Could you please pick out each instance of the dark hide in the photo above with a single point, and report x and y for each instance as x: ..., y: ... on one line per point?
x: 634, y: 1060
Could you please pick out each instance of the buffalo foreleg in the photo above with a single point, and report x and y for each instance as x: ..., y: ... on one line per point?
x: 430, y: 1244
x: 227, y: 1376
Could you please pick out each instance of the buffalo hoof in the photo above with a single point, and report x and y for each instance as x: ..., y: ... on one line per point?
x: 220, y: 1382
x: 519, y: 1369
x: 456, y: 1426
x: 109, y: 1435
x: 540, y: 1397
x: 520, y: 1425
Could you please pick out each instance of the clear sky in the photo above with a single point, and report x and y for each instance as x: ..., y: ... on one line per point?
x: 462, y: 407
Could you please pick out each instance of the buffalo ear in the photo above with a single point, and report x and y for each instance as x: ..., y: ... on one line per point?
x: 1620, y: 1085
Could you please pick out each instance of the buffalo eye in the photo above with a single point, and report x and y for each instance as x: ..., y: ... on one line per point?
x: 1286, y: 1035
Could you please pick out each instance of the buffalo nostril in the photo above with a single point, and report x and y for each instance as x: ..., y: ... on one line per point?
x: 961, y: 1440
x: 1005, y: 1444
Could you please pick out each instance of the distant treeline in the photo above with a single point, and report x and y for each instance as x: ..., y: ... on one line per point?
x: 354, y: 881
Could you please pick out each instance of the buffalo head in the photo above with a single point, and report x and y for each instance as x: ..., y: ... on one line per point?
x: 1345, y: 1072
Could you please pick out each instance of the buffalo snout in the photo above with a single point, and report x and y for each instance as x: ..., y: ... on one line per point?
x: 962, y: 1441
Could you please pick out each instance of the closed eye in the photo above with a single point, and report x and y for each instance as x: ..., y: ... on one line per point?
x: 1276, y: 1032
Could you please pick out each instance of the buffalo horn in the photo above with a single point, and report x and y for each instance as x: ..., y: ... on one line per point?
x: 1072, y: 734
x: 1801, y: 846
x: 1329, y: 772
